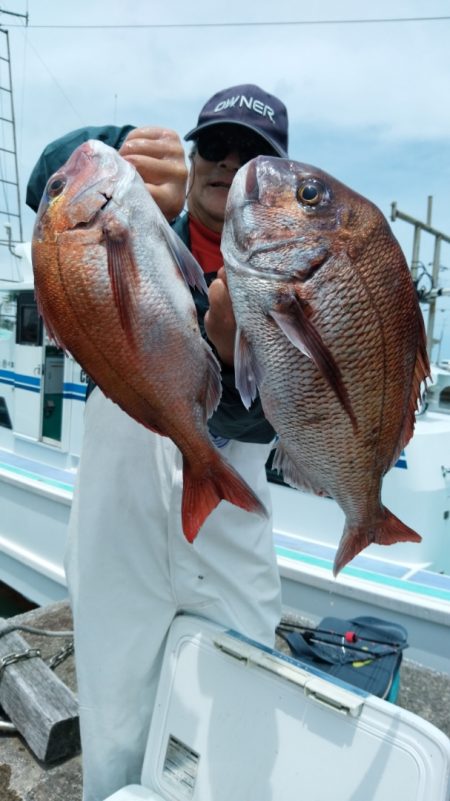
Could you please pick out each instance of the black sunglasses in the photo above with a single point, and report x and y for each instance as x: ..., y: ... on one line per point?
x: 216, y: 146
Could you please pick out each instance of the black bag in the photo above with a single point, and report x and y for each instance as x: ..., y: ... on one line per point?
x: 364, y: 651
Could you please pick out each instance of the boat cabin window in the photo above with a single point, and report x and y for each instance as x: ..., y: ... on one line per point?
x: 444, y: 399
x: 5, y: 420
x: 7, y: 316
x: 29, y: 324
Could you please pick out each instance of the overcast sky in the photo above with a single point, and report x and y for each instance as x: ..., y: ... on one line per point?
x: 369, y: 102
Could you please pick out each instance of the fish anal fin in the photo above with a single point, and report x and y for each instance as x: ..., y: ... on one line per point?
x: 248, y: 374
x: 204, y: 489
x: 293, y: 320
x: 213, y: 383
x: 292, y: 473
x: 124, y: 276
x: 386, y: 530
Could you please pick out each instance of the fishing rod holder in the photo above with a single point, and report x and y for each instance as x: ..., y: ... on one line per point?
x: 429, y: 297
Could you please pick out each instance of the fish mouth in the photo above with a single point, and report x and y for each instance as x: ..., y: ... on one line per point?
x: 251, y: 185
x: 306, y: 266
x: 268, y: 247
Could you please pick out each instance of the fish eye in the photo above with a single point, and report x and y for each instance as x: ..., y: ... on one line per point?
x: 310, y: 192
x: 56, y: 186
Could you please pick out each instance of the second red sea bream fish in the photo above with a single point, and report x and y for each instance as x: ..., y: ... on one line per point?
x: 329, y: 332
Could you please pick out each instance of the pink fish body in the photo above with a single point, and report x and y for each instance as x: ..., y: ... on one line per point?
x: 111, y: 282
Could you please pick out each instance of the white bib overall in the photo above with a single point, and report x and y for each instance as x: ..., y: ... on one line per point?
x: 130, y: 571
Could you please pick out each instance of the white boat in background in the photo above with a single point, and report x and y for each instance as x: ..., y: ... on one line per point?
x: 42, y: 392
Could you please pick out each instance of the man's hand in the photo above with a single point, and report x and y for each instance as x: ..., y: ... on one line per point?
x: 158, y: 155
x: 220, y: 324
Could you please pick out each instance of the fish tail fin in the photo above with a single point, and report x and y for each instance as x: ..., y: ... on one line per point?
x: 203, y: 491
x: 385, y: 531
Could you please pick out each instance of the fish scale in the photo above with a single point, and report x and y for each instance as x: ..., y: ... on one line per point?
x: 329, y: 332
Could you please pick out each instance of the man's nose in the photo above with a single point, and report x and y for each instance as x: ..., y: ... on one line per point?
x: 232, y: 161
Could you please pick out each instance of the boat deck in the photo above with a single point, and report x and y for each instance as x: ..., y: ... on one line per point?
x: 21, y: 469
x: 409, y: 579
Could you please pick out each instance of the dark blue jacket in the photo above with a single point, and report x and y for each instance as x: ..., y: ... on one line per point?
x: 231, y: 419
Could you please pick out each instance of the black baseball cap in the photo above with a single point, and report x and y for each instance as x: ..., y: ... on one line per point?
x: 250, y: 106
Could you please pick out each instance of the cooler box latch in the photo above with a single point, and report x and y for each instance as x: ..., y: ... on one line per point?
x: 335, y: 697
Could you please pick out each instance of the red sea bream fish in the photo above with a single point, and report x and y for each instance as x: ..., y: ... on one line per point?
x: 111, y: 283
x: 330, y: 333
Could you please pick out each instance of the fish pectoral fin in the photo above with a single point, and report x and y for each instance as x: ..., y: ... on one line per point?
x: 124, y: 276
x: 247, y: 372
x: 293, y: 321
x: 188, y: 266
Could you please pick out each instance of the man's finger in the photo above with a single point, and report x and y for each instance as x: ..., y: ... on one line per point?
x: 159, y: 171
x: 220, y: 324
x: 161, y: 148
x: 152, y: 132
x: 169, y: 199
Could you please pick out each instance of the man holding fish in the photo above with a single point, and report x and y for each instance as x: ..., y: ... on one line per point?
x: 134, y: 560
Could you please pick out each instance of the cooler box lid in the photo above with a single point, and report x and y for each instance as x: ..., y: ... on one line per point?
x: 236, y: 720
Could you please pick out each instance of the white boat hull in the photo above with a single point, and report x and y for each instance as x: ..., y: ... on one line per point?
x: 400, y: 583
x: 35, y: 502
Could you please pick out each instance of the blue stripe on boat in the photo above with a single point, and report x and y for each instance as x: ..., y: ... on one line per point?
x: 29, y: 382
x: 74, y: 391
x: 401, y: 461
x: 7, y: 377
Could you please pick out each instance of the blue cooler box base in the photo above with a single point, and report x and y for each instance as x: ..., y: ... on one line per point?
x: 236, y: 721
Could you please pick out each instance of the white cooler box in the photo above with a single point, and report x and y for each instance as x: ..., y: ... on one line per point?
x: 236, y: 721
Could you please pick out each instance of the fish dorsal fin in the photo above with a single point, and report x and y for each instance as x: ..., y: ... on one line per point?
x: 188, y: 266
x: 293, y: 321
x: 247, y: 372
x: 48, y: 323
x: 123, y: 274
x: 421, y: 373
